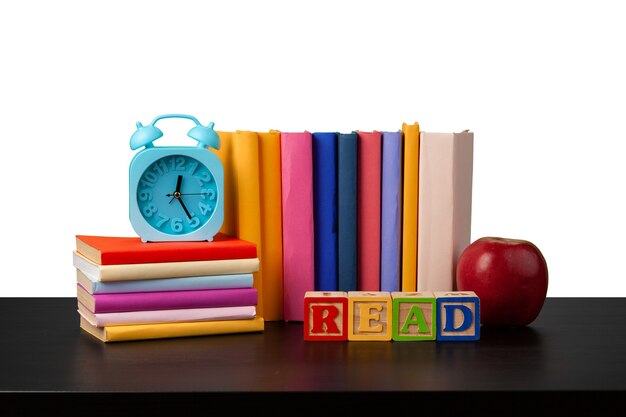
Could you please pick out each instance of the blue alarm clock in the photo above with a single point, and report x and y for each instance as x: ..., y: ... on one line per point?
x: 175, y: 192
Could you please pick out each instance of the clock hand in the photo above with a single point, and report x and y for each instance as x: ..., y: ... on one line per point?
x: 180, y: 200
x: 179, y: 183
x: 172, y: 195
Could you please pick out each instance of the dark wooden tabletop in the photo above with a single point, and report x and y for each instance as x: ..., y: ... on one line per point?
x: 571, y: 359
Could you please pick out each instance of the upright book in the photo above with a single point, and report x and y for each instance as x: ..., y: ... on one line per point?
x: 271, y: 225
x: 411, y: 137
x: 172, y: 330
x: 240, y: 157
x: 445, y: 207
x: 298, y: 234
x: 347, y: 176
x: 368, y: 277
x: 391, y: 211
x: 325, y: 209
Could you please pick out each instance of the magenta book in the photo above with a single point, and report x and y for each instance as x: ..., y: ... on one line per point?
x: 167, y: 300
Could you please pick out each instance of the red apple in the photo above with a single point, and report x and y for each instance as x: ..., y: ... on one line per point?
x: 510, y: 276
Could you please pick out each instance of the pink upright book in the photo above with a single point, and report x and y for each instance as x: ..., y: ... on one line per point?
x: 368, y: 247
x: 297, y: 204
x: 166, y: 300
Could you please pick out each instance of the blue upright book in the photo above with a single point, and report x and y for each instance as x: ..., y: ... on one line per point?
x: 347, y: 159
x: 391, y: 211
x: 325, y: 210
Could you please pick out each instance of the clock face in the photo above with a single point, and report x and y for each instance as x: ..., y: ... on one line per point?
x: 177, y: 194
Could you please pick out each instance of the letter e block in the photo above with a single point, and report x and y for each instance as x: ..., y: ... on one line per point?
x: 458, y: 315
x: 369, y: 315
x: 326, y: 315
x: 414, y: 316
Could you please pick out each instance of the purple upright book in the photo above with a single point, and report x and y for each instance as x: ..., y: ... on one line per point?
x: 166, y: 300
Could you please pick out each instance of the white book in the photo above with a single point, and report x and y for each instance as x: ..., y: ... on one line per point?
x: 127, y: 272
x: 444, y: 208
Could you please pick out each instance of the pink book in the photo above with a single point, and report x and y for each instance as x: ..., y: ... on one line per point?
x: 166, y: 300
x: 297, y: 204
x: 368, y: 247
x: 166, y: 316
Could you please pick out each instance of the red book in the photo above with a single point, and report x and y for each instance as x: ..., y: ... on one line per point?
x: 115, y: 250
x: 368, y: 246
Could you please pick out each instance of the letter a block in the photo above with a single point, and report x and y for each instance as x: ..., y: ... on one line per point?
x: 369, y: 315
x: 414, y: 316
x: 458, y: 314
x: 326, y: 315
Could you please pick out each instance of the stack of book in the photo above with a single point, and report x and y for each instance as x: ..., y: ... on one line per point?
x: 129, y: 290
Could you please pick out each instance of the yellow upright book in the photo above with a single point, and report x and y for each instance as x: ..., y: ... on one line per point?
x: 170, y: 330
x: 411, y: 135
x: 271, y: 225
x: 239, y: 153
x: 225, y: 153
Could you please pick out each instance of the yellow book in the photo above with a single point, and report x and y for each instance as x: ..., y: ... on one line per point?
x: 271, y: 225
x: 170, y: 330
x: 411, y: 135
x: 239, y: 153
x: 225, y: 153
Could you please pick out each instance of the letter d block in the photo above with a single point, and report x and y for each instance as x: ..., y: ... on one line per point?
x: 414, y: 316
x: 326, y: 315
x: 369, y: 315
x: 458, y: 314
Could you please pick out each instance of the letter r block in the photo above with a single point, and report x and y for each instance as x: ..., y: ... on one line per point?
x: 326, y: 315
x: 369, y: 315
x: 414, y: 316
x: 458, y: 315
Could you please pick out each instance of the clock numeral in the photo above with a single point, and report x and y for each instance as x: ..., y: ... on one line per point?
x: 193, y: 222
x: 150, y: 177
x: 163, y: 220
x: 149, y: 210
x: 145, y: 195
x: 209, y: 192
x: 204, y: 209
x: 177, y: 224
x: 192, y: 167
x: 160, y: 167
x: 204, y: 177
x: 145, y: 183
x: 177, y: 163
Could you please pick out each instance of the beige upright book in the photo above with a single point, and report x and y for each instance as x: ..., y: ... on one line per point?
x: 445, y: 207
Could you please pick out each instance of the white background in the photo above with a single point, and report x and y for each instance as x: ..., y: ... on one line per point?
x: 542, y: 84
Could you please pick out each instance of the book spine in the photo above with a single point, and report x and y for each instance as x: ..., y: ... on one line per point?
x: 445, y: 199
x: 171, y: 300
x: 368, y: 278
x: 247, y: 203
x: 171, y: 330
x: 347, y: 164
x: 130, y: 272
x: 298, y: 234
x: 225, y: 153
x: 271, y: 225
x: 391, y: 211
x: 171, y: 316
x: 411, y: 134
x: 174, y: 284
x: 325, y: 210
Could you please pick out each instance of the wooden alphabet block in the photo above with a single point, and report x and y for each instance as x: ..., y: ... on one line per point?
x: 414, y: 316
x: 458, y: 315
x: 326, y: 316
x: 369, y: 315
